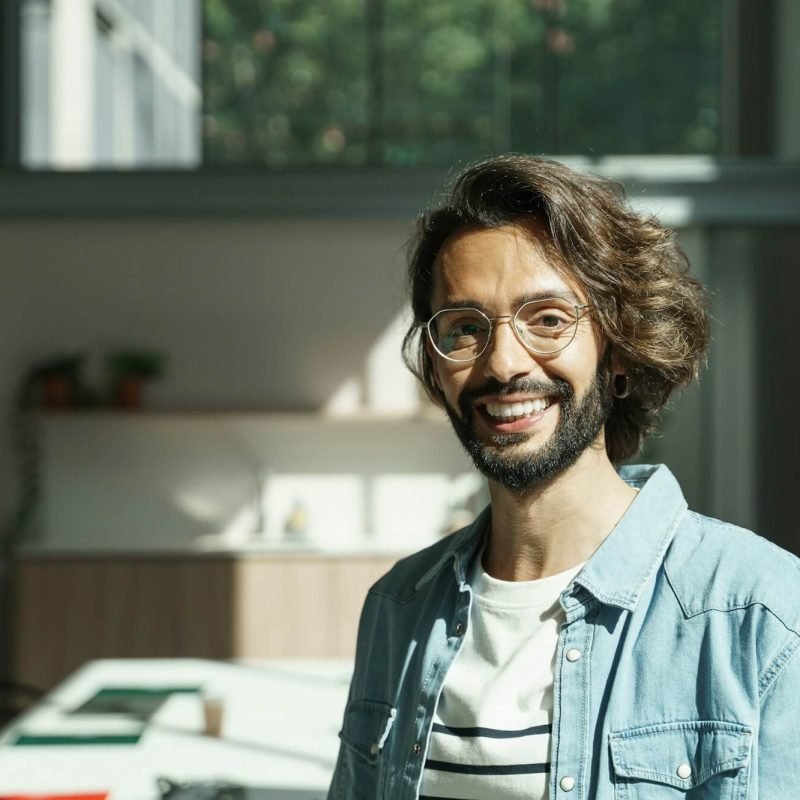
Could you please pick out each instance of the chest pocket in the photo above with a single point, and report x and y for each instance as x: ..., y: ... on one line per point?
x: 699, y: 760
x: 366, y: 727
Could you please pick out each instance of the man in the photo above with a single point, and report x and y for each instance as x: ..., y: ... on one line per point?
x: 587, y: 636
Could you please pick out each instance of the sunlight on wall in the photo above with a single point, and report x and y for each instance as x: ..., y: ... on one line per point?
x: 346, y: 400
x: 177, y: 481
x: 386, y: 386
x: 438, y: 507
x: 391, y: 388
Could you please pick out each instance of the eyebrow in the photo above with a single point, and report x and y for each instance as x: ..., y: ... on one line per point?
x: 561, y: 294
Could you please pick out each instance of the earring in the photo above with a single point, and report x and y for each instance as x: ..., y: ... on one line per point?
x: 621, y: 387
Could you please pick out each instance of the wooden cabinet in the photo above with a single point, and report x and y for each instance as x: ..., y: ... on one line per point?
x: 70, y: 609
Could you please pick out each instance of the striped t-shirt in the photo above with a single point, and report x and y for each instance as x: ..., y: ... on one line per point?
x: 491, y: 732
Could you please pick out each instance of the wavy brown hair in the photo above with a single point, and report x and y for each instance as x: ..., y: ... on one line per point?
x: 643, y: 299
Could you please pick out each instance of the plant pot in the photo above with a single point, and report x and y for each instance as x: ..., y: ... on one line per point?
x: 129, y: 392
x: 57, y: 392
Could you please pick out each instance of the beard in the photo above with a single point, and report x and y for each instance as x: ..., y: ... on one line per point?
x: 580, y: 421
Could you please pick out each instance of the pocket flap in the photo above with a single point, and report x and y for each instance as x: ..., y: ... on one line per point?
x: 680, y: 754
x: 366, y: 727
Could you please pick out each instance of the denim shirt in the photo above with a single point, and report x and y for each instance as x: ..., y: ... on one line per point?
x: 676, y: 673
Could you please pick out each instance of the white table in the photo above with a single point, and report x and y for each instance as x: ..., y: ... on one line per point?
x: 279, y: 732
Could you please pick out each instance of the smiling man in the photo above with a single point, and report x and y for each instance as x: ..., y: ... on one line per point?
x: 587, y: 636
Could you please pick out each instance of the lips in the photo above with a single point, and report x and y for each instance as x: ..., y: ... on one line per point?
x: 513, y: 414
x: 519, y: 406
x: 510, y: 411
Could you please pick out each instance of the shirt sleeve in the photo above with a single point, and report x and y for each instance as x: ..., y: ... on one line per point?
x: 778, y: 756
x: 343, y: 779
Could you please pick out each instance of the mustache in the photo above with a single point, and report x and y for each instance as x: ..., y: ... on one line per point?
x: 558, y: 388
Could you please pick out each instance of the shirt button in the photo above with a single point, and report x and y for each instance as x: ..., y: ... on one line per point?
x: 374, y: 749
x: 459, y: 629
x: 567, y: 783
x: 684, y: 771
x: 415, y: 749
x: 573, y: 654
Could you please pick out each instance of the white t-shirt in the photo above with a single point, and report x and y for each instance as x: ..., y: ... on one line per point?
x: 491, y: 731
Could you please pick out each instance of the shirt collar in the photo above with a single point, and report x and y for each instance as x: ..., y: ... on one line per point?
x: 619, y: 569
x: 463, y: 547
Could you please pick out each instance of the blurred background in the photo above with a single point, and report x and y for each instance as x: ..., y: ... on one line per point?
x: 210, y: 446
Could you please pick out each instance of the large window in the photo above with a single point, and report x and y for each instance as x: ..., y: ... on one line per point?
x: 365, y: 82
x: 110, y: 83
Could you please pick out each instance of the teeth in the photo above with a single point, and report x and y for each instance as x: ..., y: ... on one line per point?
x: 512, y: 411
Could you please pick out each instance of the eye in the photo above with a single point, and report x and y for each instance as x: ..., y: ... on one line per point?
x: 549, y: 320
x: 458, y: 324
x: 466, y: 328
x: 460, y: 331
x: 545, y: 319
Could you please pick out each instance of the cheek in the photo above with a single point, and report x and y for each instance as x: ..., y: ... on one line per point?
x: 448, y: 380
x: 451, y: 383
x: 436, y: 366
x: 581, y: 360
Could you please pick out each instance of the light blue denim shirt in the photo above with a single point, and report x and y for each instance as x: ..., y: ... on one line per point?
x: 683, y: 679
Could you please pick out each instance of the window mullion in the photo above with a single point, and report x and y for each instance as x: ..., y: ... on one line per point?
x: 10, y: 83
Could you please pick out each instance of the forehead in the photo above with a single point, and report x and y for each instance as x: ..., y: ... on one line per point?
x: 497, y: 268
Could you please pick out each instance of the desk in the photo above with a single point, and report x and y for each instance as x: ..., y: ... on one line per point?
x: 279, y: 731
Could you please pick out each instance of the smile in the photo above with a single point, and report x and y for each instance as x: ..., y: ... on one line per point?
x: 519, y: 409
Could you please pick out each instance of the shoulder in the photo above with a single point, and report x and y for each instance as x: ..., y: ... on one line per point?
x: 402, y: 581
x: 713, y: 565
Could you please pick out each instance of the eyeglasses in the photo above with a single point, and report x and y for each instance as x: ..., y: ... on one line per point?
x: 542, y: 326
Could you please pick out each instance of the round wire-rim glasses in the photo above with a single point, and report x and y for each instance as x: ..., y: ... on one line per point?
x: 543, y: 327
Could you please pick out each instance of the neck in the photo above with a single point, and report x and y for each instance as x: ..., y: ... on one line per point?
x: 557, y: 525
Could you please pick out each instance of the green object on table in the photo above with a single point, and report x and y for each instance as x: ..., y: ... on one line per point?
x: 44, y: 739
x: 113, y: 691
x: 138, y: 701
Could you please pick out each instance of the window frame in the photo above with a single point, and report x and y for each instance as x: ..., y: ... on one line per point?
x: 679, y: 190
x: 10, y: 134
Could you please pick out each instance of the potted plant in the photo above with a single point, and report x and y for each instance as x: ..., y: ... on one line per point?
x: 59, y: 380
x: 129, y: 370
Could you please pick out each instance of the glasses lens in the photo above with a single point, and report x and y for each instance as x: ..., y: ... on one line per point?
x: 546, y: 326
x: 460, y: 334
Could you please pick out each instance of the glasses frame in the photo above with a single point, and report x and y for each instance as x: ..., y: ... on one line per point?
x: 512, y: 318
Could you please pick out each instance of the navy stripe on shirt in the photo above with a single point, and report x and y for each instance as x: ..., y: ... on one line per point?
x: 492, y: 733
x: 488, y: 769
x: 431, y: 797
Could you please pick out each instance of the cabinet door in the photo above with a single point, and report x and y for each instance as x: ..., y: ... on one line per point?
x: 302, y: 608
x: 70, y: 611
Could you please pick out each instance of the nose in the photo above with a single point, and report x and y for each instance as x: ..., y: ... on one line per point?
x: 506, y: 357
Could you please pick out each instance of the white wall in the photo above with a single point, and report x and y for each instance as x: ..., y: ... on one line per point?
x: 258, y: 315
x: 273, y: 315
x: 252, y: 314
x: 191, y: 482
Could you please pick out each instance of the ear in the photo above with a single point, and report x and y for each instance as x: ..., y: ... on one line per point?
x: 616, y: 363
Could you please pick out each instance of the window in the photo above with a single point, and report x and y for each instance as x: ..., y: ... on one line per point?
x: 110, y: 83
x: 399, y: 83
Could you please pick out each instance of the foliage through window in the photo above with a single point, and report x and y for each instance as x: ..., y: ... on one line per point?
x: 415, y: 82
x: 398, y: 83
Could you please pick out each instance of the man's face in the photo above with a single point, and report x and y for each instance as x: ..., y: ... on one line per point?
x: 523, y: 417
